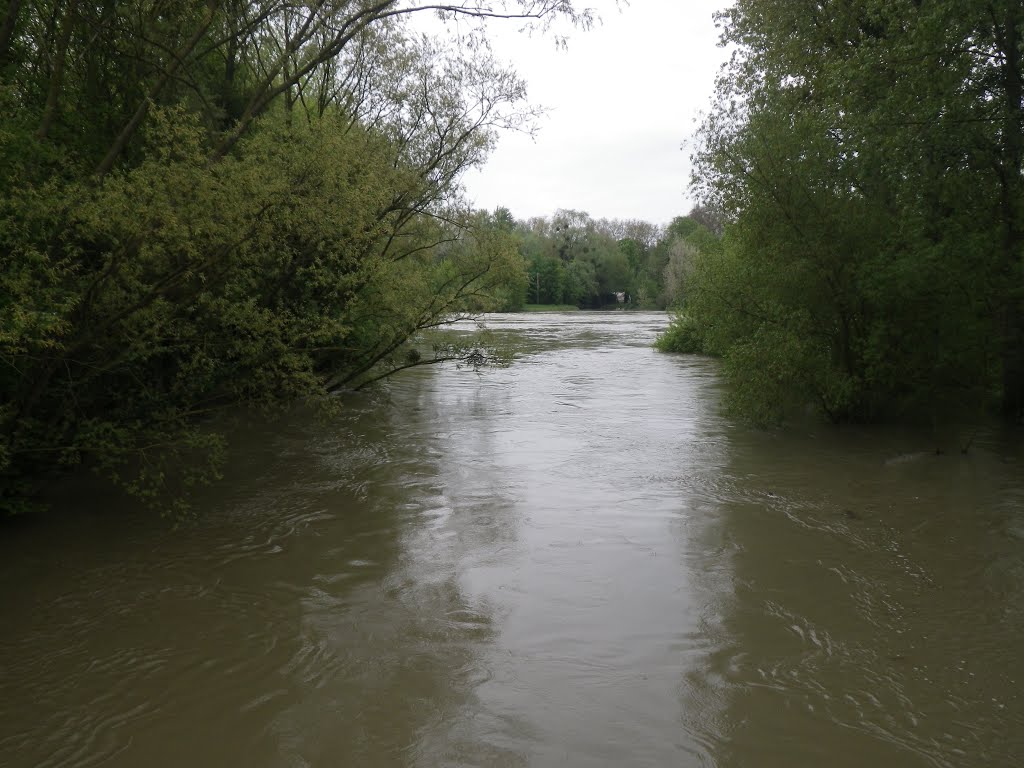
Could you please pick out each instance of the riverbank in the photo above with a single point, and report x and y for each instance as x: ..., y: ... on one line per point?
x: 550, y: 308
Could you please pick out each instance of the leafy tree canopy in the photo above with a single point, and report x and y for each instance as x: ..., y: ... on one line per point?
x: 866, y: 159
x: 207, y: 205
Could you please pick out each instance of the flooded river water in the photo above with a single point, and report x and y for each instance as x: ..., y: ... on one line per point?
x: 574, y: 561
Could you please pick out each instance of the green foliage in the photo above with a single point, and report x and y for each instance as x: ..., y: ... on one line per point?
x: 208, y: 206
x: 682, y: 335
x: 574, y: 260
x: 870, y: 155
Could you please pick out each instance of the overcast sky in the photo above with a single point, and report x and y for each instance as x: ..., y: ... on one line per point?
x: 622, y: 101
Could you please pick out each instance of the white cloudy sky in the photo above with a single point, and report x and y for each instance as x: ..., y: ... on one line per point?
x: 622, y: 101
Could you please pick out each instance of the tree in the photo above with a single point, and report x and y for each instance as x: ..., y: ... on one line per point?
x: 581, y: 283
x: 207, y: 206
x: 614, y: 272
x: 866, y: 157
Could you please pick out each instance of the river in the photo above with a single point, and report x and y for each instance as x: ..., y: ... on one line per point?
x: 573, y: 561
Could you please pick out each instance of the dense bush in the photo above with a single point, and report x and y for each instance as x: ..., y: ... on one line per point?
x: 207, y: 206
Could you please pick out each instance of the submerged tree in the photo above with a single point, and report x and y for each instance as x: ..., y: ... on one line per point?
x: 206, y: 205
x: 868, y: 159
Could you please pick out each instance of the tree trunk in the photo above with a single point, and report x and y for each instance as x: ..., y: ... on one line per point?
x: 1013, y: 148
x: 60, y: 55
x: 107, y: 163
x: 1013, y: 363
x: 7, y: 30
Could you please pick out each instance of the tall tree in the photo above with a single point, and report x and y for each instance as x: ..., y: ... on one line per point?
x: 867, y: 156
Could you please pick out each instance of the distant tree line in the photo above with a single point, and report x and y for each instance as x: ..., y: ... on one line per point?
x: 571, y: 259
x: 866, y: 158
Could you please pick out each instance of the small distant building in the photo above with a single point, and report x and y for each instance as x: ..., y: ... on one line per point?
x: 620, y: 296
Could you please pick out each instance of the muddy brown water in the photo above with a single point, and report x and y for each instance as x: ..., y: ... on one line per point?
x: 574, y: 561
